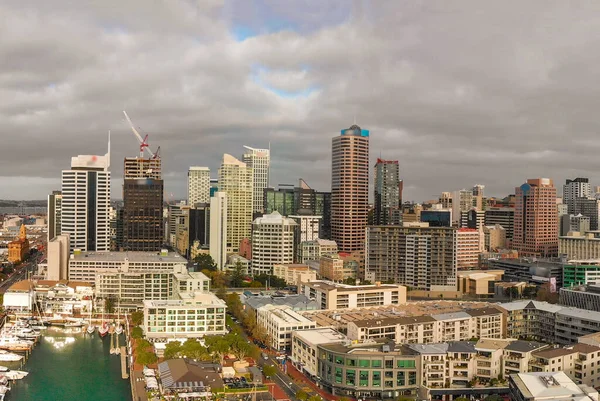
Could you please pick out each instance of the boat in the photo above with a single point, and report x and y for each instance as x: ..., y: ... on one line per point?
x: 3, y: 369
x: 103, y: 330
x: 91, y: 328
x: 15, y: 374
x: 6, y: 356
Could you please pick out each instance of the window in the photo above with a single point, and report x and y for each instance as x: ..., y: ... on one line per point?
x: 364, y: 378
x: 389, y: 364
x: 338, y: 375
x: 376, y: 363
x: 400, y: 378
x: 406, y: 364
x: 351, y: 362
x: 364, y: 363
x: 339, y: 360
x: 376, y: 379
x: 351, y: 377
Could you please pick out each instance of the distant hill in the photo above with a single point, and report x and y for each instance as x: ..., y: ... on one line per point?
x: 27, y: 203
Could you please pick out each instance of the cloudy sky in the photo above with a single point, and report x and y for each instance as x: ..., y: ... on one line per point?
x: 460, y: 92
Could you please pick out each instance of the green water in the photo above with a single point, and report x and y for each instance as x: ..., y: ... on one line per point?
x: 67, y: 366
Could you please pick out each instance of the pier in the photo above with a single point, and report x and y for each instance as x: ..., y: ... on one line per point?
x: 124, y: 373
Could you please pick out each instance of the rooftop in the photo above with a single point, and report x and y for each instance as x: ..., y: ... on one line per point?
x: 285, y: 314
x: 462, y: 346
x: 492, y: 344
x: 441, y: 348
x: 524, y: 346
x: 451, y: 316
x: 320, y: 336
x: 296, y: 301
x: 40, y: 285
x: 528, y: 304
x: 171, y: 257
x: 188, y: 299
x: 548, y: 385
x: 554, y: 352
x: 390, y: 321
x: 370, y: 348
x: 330, y: 285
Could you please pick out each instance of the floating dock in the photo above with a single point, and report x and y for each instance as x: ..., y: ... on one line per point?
x: 124, y: 373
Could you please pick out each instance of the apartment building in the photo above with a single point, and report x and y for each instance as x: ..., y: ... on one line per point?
x: 375, y: 370
x: 332, y: 267
x: 83, y: 266
x: 517, y: 356
x: 433, y: 363
x: 584, y: 297
x: 195, y: 314
x: 503, y: 216
x: 332, y: 295
x: 305, y: 347
x: 294, y: 274
x: 428, y: 329
x: 577, y: 246
x: 461, y: 363
x: 272, y: 242
x: 579, y: 362
x: 313, y: 250
x: 280, y: 322
x: 494, y: 238
x: 469, y: 244
x: 488, y: 360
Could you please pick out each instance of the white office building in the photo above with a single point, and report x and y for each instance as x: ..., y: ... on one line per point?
x: 259, y: 160
x: 198, y: 185
x: 235, y: 179
x: 280, y: 322
x: 272, y: 242
x: 85, y: 208
x: 304, y: 347
x: 218, y: 229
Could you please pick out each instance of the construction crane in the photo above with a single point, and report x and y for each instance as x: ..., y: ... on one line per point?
x: 143, y: 141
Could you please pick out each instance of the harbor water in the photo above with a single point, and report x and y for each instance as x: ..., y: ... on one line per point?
x: 68, y: 364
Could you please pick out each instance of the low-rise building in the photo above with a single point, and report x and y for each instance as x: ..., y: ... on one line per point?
x: 298, y: 302
x: 279, y: 322
x: 294, y: 274
x: 530, y: 270
x: 304, y: 347
x: 313, y: 250
x: 478, y: 283
x: 52, y: 297
x: 584, y: 297
x: 542, y: 386
x: 332, y: 267
x: 488, y: 360
x: 494, y: 237
x: 577, y: 246
x: 581, y: 272
x: 579, y: 362
x: 518, y: 354
x: 330, y: 295
x: 195, y: 314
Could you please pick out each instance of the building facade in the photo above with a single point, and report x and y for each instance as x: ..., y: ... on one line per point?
x: 272, y: 242
x: 536, y: 218
x: 218, y: 229
x: 504, y: 216
x: 313, y: 250
x: 573, y: 189
x: 54, y: 214
x: 259, y: 160
x: 350, y: 188
x: 19, y: 248
x: 198, y: 185
x: 469, y: 244
x: 388, y: 196
x: 330, y: 295
x: 279, y: 323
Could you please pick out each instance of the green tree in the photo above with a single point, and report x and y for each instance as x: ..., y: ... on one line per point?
x: 269, y: 371
x: 240, y: 347
x: 237, y: 276
x: 137, y: 332
x: 137, y: 318
x: 172, y: 349
x: 109, y: 305
x: 142, y: 346
x: 302, y: 395
x: 270, y: 280
x: 234, y: 304
x: 218, y: 346
x: 350, y: 281
x: 315, y: 398
x: 205, y: 262
x: 191, y: 348
x: 146, y: 358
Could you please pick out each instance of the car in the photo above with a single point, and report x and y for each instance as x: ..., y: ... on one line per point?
x: 265, y: 356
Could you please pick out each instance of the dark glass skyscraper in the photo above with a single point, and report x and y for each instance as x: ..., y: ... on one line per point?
x: 388, y: 196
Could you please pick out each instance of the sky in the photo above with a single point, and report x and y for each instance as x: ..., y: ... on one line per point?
x: 460, y: 92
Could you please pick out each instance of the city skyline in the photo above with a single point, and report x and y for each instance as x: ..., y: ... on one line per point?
x: 499, y: 113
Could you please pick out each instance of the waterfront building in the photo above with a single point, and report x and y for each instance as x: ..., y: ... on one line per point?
x: 469, y: 244
x: 259, y: 160
x: 85, y: 212
x: 143, y: 228
x: 332, y: 267
x: 313, y: 250
x: 195, y: 314
x: 294, y: 274
x: 305, y: 344
x: 573, y: 189
x: 577, y: 246
x: 218, y: 229
x: 377, y: 370
x: 83, y: 266
x: 19, y: 248
x: 551, y: 386
x: 479, y: 283
x: 198, y: 185
x: 58, y: 258
x: 272, y: 242
x: 350, y: 188
x: 494, y: 238
x: 388, y: 195
x: 504, y: 216
x: 182, y: 377
x: 536, y: 218
x: 54, y: 214
x: 330, y: 295
x: 415, y: 255
x: 235, y: 179
x: 51, y: 296
x: 279, y: 322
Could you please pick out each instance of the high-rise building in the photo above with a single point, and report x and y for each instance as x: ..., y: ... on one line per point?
x: 272, y: 242
x: 86, y: 203
x: 54, y: 214
x: 218, y: 229
x: 307, y: 229
x: 235, y: 179
x: 259, y: 160
x: 536, y: 218
x: 588, y: 207
x: 198, y: 185
x: 415, y: 255
x: 469, y: 244
x: 573, y: 189
x: 504, y: 216
x: 350, y: 188
x: 143, y: 228
x: 462, y: 201
x: 388, y: 197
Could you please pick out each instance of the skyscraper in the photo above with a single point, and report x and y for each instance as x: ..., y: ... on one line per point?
x: 387, y: 191
x: 536, y: 218
x: 235, y: 179
x: 573, y: 189
x: 86, y: 203
x: 462, y: 201
x: 143, y: 228
x: 259, y: 160
x: 272, y: 242
x: 54, y: 214
x: 350, y: 188
x: 218, y: 229
x: 198, y: 185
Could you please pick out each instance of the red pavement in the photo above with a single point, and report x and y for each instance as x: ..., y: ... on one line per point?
x: 276, y: 391
x: 304, y: 381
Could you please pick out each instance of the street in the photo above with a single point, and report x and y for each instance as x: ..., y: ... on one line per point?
x: 21, y: 274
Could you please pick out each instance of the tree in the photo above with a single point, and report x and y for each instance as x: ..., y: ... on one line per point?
x: 302, y: 395
x: 529, y: 291
x: 218, y: 346
x: 172, y: 349
x: 137, y: 332
x: 191, y: 348
x: 234, y: 304
x: 205, y: 262
x: 137, y: 318
x: 270, y: 280
x: 146, y: 358
x: 545, y: 294
x: 269, y: 371
x: 109, y: 305
x: 240, y: 347
x: 142, y: 346
x: 237, y: 276
x: 350, y: 281
x: 221, y: 293
x: 315, y: 398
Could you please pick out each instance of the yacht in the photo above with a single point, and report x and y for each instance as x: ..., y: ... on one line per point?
x: 6, y: 356
x: 103, y: 330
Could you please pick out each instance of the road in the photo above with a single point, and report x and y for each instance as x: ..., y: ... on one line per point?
x: 21, y: 274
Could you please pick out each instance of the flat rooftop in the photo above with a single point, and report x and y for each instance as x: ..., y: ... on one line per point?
x: 196, y: 299
x: 548, y: 385
x: 320, y: 336
x: 286, y: 314
x: 172, y: 257
x: 370, y: 348
x: 330, y: 285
